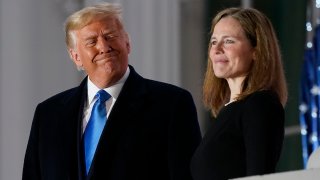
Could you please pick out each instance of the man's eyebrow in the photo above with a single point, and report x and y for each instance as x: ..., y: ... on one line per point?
x: 109, y: 31
x: 89, y: 36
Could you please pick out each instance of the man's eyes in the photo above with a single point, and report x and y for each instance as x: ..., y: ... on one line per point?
x: 91, y: 42
x: 110, y: 36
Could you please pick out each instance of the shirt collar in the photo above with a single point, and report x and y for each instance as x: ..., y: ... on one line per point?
x: 113, y: 90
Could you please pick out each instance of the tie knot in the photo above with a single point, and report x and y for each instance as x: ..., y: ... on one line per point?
x: 102, y: 95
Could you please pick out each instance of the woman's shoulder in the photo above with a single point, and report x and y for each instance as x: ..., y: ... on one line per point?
x: 264, y: 101
x: 263, y: 97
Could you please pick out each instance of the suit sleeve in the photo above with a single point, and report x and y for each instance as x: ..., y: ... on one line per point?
x: 31, y: 167
x: 263, y: 129
x: 184, y: 136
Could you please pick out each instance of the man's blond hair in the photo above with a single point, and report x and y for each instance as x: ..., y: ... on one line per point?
x: 88, y: 14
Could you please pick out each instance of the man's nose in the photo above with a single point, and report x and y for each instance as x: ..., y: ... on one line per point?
x: 103, y: 45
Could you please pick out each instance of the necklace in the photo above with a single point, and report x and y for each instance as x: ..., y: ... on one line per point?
x: 229, y: 102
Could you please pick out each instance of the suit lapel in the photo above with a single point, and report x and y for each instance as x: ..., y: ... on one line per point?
x: 129, y: 102
x: 71, y: 130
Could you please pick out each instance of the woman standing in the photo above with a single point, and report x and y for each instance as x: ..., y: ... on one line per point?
x: 245, y: 90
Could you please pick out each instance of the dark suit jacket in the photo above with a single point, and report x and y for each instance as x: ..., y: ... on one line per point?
x: 151, y: 134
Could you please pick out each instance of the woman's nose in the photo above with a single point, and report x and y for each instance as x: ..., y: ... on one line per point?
x: 217, y: 48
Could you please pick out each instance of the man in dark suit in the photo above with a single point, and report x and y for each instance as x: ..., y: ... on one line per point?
x: 151, y: 128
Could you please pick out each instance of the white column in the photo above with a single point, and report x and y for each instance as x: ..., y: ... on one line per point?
x: 246, y: 3
x: 33, y: 66
x: 194, y: 52
x: 153, y: 26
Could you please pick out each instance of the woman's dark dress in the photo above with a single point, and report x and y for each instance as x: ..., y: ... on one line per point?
x: 245, y: 139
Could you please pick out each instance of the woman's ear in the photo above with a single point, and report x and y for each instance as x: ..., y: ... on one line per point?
x: 254, y: 54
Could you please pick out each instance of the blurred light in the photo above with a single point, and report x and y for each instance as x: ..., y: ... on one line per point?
x: 314, y: 113
x: 315, y: 90
x: 303, y: 108
x: 309, y: 44
x: 303, y: 131
x: 317, y: 3
x: 309, y: 26
x: 314, y: 138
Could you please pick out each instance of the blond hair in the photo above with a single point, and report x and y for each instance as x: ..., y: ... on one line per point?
x: 266, y: 72
x: 86, y: 15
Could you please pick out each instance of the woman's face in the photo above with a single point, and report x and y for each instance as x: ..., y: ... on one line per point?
x: 231, y: 52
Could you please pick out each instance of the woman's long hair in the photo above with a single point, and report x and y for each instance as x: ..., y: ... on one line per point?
x: 266, y: 72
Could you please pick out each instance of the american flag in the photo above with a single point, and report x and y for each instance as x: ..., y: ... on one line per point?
x: 310, y: 97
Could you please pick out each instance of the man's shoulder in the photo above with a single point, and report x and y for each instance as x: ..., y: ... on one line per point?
x: 66, y: 95
x: 154, y: 85
x: 62, y: 96
x: 164, y: 88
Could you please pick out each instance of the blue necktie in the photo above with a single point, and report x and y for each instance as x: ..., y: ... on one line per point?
x: 95, y: 127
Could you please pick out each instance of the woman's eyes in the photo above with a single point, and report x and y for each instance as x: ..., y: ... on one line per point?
x: 225, y: 41
x: 228, y: 41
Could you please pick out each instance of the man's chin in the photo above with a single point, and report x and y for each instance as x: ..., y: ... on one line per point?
x: 108, y: 68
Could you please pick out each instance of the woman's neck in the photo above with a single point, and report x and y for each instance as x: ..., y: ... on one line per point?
x: 235, y: 85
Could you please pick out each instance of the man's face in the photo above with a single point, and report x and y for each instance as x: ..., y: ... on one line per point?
x: 101, y: 49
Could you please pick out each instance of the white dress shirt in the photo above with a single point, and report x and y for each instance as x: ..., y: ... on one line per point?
x: 114, y: 91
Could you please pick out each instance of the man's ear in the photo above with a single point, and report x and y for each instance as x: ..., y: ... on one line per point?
x: 75, y: 57
x: 128, y: 46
